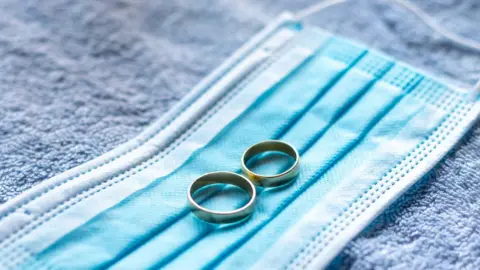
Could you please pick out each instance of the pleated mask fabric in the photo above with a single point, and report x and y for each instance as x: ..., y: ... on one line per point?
x: 366, y: 127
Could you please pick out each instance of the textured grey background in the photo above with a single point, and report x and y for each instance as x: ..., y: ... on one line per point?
x: 80, y: 77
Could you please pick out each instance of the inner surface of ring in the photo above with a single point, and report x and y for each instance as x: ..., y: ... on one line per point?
x: 259, y: 153
x: 234, y: 199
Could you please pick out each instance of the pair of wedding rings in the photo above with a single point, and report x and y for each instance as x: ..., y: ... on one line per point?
x: 247, y: 184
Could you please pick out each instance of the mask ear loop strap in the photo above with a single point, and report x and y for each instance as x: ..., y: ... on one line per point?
x: 424, y: 17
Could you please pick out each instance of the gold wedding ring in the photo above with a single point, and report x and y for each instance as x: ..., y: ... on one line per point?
x: 222, y: 216
x: 271, y: 180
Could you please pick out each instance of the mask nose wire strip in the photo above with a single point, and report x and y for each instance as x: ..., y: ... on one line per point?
x: 424, y: 17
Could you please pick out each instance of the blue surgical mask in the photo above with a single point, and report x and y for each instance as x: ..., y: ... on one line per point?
x: 366, y: 126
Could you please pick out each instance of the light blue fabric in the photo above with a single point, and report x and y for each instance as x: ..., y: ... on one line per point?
x: 338, y: 106
x: 74, y: 56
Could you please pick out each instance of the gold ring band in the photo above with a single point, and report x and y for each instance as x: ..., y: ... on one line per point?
x: 222, y: 217
x: 271, y: 180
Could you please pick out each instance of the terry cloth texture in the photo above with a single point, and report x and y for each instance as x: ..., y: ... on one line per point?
x: 80, y: 77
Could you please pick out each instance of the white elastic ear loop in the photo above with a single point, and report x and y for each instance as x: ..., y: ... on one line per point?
x: 425, y: 18
x: 309, y: 11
